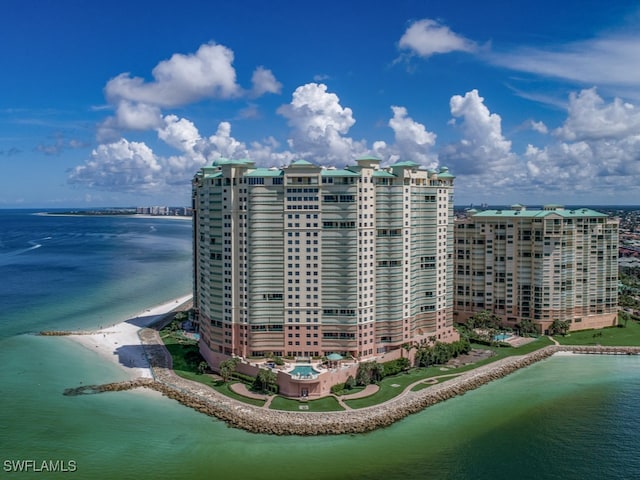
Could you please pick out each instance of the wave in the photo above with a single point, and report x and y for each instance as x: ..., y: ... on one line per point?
x: 5, y: 257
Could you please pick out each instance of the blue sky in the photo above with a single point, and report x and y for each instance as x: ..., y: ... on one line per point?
x: 120, y: 103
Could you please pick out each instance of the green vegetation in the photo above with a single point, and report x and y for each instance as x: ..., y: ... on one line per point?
x: 266, y: 381
x: 422, y: 386
x: 628, y: 336
x: 560, y: 327
x: 187, y: 363
x: 388, y: 390
x: 373, y: 372
x: 326, y: 404
x: 228, y: 368
x: 440, y: 353
x: 225, y: 389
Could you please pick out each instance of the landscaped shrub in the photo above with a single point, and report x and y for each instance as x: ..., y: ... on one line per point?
x: 337, y: 388
x: 350, y: 383
x: 248, y: 379
x: 395, y: 366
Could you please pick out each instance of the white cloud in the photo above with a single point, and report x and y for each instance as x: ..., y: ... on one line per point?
x: 137, y: 116
x: 180, y: 133
x: 182, y: 79
x: 483, y: 149
x: 412, y: 140
x: 428, y: 37
x: 609, y: 61
x: 590, y: 118
x: 222, y: 144
x: 263, y: 82
x: 319, y: 124
x: 122, y: 166
x: 539, y: 127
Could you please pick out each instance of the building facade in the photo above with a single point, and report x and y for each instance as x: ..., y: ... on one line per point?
x: 304, y: 261
x: 537, y: 265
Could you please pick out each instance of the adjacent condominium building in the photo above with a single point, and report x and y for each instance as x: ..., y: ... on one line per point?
x: 538, y: 265
x: 306, y: 261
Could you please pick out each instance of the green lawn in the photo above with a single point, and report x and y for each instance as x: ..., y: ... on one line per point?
x: 186, y: 358
x: 388, y: 391
x: 628, y: 336
x: 326, y: 404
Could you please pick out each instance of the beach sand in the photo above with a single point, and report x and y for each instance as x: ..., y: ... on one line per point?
x: 120, y: 343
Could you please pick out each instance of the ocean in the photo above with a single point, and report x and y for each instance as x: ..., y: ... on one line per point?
x: 568, y: 417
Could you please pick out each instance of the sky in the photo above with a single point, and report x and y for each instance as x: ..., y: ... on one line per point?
x: 121, y: 103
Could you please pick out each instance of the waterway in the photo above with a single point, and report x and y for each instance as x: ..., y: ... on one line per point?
x: 568, y: 417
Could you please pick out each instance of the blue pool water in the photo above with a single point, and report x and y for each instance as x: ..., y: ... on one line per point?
x: 501, y: 337
x: 303, y: 371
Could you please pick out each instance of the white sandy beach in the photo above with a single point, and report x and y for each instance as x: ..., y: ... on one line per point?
x: 120, y: 343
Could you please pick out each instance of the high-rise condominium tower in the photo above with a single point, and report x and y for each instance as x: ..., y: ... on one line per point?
x: 306, y: 261
x: 538, y: 266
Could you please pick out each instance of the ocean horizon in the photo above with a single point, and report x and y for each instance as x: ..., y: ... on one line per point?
x: 567, y: 417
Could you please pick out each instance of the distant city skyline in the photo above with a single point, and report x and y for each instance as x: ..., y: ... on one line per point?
x: 527, y: 103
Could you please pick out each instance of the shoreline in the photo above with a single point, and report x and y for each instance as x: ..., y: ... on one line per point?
x: 120, y: 342
x: 160, y: 377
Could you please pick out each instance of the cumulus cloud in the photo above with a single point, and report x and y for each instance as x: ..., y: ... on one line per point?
x: 483, y: 148
x: 318, y: 124
x: 137, y: 116
x: 412, y: 140
x: 591, y: 118
x: 122, y: 165
x: 182, y: 79
x: 222, y: 144
x: 428, y: 37
x: 263, y: 82
x: 180, y: 133
x: 598, y: 144
x: 539, y: 127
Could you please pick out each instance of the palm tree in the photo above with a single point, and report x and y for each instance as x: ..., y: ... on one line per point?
x: 227, y: 367
x: 266, y: 380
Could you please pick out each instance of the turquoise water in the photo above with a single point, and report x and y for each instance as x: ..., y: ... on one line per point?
x: 501, y: 337
x: 303, y: 371
x: 568, y: 417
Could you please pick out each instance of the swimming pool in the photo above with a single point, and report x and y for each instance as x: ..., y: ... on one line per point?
x: 501, y: 337
x: 304, y: 371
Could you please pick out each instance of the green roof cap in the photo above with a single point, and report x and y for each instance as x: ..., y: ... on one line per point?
x: 302, y: 163
x: 338, y: 172
x: 577, y: 213
x: 383, y: 173
x: 444, y: 173
x: 264, y: 172
x: 369, y: 157
x: 231, y: 161
x: 406, y: 163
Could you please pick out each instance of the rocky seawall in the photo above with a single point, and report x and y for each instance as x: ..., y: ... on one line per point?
x: 261, y: 420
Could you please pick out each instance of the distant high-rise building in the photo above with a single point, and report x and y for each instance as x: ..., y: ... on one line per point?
x: 306, y: 261
x: 538, y: 265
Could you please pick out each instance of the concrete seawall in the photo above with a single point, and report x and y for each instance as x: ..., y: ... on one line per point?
x: 260, y: 420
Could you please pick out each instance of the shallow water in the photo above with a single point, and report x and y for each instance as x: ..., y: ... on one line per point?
x: 568, y: 417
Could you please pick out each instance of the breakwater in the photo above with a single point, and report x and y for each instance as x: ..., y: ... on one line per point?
x: 260, y: 420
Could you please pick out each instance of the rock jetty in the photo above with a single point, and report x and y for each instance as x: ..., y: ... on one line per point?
x: 261, y: 420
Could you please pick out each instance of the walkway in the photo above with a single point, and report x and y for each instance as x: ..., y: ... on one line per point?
x: 264, y: 420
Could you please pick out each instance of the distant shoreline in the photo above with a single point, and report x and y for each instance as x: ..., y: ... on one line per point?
x: 112, y: 214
